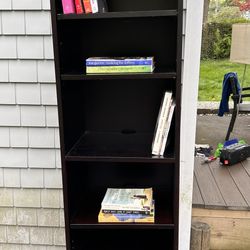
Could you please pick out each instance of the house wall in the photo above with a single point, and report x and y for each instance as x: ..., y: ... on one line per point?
x: 31, y: 203
x: 31, y: 207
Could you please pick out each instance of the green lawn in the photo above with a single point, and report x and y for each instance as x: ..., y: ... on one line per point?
x: 211, y: 77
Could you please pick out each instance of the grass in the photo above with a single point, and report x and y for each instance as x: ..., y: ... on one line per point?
x: 211, y: 77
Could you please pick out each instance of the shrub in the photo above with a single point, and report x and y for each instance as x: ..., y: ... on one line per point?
x: 225, y: 14
x: 216, y: 38
x: 221, y: 45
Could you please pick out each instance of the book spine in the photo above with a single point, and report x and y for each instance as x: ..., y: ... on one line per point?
x: 118, y: 62
x: 87, y: 6
x: 79, y: 7
x: 125, y: 218
x: 162, y: 117
x: 167, y: 128
x: 68, y: 6
x: 102, y: 6
x: 132, y: 207
x: 114, y: 211
x: 119, y: 69
x: 94, y: 6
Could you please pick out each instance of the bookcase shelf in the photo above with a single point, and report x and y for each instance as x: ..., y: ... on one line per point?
x: 155, y: 75
x: 154, y: 159
x: 88, y: 220
x: 125, y: 14
x: 81, y: 222
x: 125, y: 146
x: 121, y: 226
x: 86, y: 203
x: 107, y: 121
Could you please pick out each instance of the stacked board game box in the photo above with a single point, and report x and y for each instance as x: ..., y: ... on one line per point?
x: 127, y: 206
x: 112, y: 65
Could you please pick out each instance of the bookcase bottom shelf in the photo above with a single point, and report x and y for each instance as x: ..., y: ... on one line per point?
x: 123, y: 144
x: 89, y: 182
x: 125, y: 239
x: 86, y: 216
x: 86, y: 219
x: 81, y: 221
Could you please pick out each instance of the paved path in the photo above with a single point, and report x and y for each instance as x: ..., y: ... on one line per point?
x: 212, y: 129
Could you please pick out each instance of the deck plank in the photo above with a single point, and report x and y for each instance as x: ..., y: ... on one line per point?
x: 197, y: 198
x: 246, y: 165
x: 207, y: 185
x: 242, y: 180
x: 230, y: 192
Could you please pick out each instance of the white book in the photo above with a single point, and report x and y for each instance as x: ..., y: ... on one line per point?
x: 167, y: 127
x: 162, y: 117
x: 94, y: 6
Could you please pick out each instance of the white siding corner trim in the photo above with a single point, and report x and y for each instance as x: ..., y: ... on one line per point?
x: 193, y: 28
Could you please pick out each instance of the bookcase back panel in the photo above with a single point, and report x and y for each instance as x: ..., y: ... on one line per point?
x: 133, y: 37
x: 122, y: 239
x: 115, y: 105
x: 100, y: 175
x: 72, y: 114
x: 88, y: 183
x: 137, y: 5
x: 126, y: 107
x: 58, y: 6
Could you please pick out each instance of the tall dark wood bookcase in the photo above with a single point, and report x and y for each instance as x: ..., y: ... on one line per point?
x: 107, y: 122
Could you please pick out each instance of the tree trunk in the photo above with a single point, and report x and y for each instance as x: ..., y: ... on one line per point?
x: 205, y: 11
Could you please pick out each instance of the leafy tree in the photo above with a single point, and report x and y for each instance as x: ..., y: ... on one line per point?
x: 225, y: 15
x: 244, y: 5
x: 229, y: 3
x: 205, y: 11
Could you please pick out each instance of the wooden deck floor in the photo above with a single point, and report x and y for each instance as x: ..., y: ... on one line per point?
x: 221, y: 187
x: 221, y: 198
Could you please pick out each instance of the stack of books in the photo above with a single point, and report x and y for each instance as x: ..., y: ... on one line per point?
x: 105, y: 65
x: 163, y: 124
x: 84, y: 6
x: 127, y: 206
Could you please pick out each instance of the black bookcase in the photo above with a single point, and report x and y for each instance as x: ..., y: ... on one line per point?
x: 107, y: 122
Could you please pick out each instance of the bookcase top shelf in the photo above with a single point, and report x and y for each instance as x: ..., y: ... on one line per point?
x: 123, y: 14
x: 156, y: 75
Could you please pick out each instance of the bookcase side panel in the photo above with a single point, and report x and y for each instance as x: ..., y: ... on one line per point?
x: 56, y: 8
